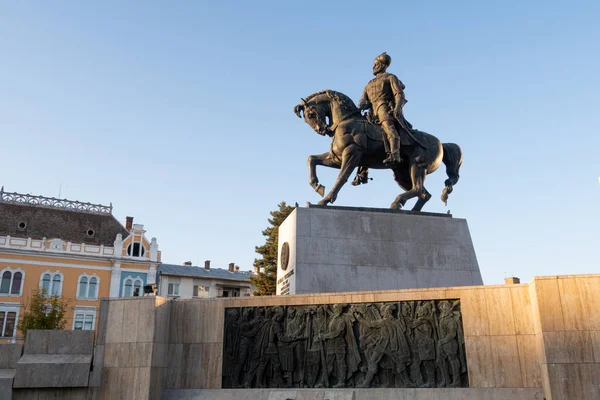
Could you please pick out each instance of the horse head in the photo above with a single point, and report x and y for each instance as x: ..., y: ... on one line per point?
x: 316, y: 112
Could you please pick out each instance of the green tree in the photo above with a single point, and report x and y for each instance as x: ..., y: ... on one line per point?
x: 267, y: 275
x: 43, y: 312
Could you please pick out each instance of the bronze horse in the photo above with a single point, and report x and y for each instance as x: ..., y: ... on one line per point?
x: 358, y: 143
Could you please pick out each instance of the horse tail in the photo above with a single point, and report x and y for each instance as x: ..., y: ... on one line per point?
x: 453, y: 160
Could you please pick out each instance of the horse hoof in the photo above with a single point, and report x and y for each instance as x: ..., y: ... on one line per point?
x: 396, y: 206
x: 321, y: 190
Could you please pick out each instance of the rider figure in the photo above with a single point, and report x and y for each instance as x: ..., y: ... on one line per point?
x: 384, y: 95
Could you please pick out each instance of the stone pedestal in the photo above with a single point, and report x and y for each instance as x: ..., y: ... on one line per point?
x: 347, y: 249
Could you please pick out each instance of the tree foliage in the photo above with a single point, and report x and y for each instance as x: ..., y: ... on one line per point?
x: 265, y: 280
x: 43, y: 312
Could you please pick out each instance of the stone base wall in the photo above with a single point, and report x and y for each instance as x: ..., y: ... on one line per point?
x: 526, y: 341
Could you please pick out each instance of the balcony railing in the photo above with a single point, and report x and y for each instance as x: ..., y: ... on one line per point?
x: 52, y: 202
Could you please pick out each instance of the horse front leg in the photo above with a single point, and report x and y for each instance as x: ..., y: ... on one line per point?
x: 319, y: 159
x: 350, y: 160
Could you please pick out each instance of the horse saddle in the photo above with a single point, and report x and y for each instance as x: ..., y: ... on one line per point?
x: 375, y: 132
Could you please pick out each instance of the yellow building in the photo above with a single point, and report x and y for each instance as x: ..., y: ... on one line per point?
x: 76, y: 250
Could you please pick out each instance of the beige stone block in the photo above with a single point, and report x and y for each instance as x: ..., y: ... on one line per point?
x: 212, y: 354
x: 505, y: 361
x: 549, y: 305
x: 111, y: 354
x: 237, y: 302
x: 595, y: 339
x: 193, y: 319
x: 363, y: 298
x: 565, y: 382
x: 128, y: 383
x: 157, y: 382
x: 102, y: 321
x: 176, y: 322
x: 535, y: 309
x: 175, y: 365
x: 125, y: 355
x: 529, y: 360
x: 129, y: 331
x: 474, y: 313
x: 522, y: 312
x: 546, y: 381
x: 146, y: 319
x: 142, y: 354
x: 589, y: 289
x: 192, y: 374
x: 590, y: 380
x: 570, y: 299
x: 454, y: 293
x: 340, y: 298
x: 568, y: 347
x: 313, y: 300
x: 162, y: 322
x: 208, y: 324
x: 141, y: 383
x: 479, y: 356
x: 114, y: 322
x: 159, y: 355
x: 499, y: 311
x: 111, y: 384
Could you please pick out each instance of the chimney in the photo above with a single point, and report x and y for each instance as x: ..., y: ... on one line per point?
x: 256, y: 270
x: 513, y: 280
x: 237, y: 267
x: 128, y: 223
x: 231, y: 267
x: 207, y: 264
x: 187, y: 263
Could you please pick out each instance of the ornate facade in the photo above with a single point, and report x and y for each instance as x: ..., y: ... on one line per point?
x: 75, y: 250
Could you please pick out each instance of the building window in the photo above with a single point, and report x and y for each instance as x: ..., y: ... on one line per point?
x: 173, y: 289
x: 136, y: 250
x: 87, y: 288
x: 12, y: 281
x: 201, y: 290
x: 231, y: 292
x: 8, y: 322
x: 132, y: 286
x: 52, y: 282
x: 84, y: 319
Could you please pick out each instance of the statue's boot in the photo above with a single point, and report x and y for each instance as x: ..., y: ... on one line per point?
x: 394, y: 154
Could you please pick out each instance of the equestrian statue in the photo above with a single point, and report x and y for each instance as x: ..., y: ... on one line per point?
x: 381, y: 138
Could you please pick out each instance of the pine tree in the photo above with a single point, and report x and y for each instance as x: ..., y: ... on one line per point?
x: 43, y: 312
x: 267, y: 275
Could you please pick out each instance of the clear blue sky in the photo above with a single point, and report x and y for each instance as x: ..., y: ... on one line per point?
x: 180, y: 113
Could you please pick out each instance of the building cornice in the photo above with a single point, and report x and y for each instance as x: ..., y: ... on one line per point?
x: 77, y: 257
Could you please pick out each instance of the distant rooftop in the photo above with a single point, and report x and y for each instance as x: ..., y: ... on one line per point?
x: 38, y: 217
x: 52, y: 202
x: 201, y: 272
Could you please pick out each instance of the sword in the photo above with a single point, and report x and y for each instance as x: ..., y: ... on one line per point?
x: 401, y: 121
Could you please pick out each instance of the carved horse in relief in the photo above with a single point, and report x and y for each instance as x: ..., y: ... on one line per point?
x: 356, y: 142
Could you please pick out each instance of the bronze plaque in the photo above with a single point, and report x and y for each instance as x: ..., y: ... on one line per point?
x: 285, y: 255
x: 406, y: 344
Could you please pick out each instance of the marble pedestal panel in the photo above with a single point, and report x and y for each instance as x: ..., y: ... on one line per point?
x: 347, y: 249
x: 355, y: 394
